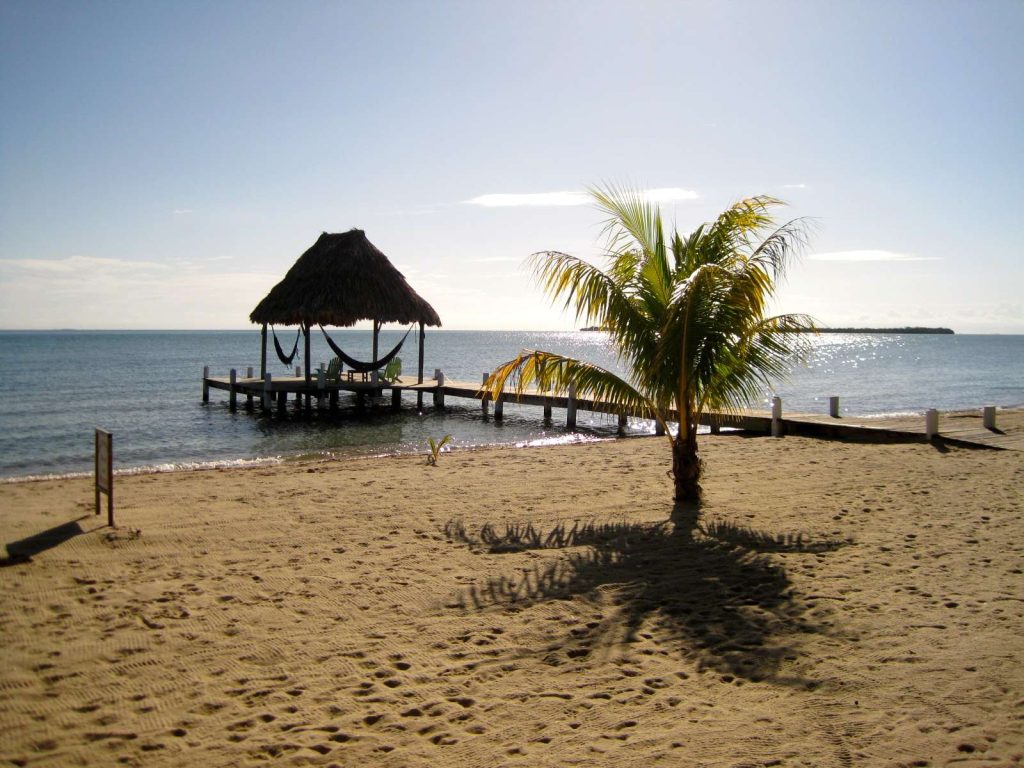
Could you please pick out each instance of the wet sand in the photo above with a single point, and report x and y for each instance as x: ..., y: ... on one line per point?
x: 835, y: 604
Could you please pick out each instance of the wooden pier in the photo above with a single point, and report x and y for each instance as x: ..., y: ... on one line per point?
x: 964, y: 428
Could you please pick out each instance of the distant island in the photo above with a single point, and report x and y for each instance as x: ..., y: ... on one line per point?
x: 909, y: 329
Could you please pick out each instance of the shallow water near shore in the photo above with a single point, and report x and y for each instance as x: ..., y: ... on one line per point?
x: 145, y: 387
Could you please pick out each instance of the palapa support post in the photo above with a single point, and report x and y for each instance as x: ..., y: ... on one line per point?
x: 570, y: 408
x: 263, y: 352
x: 833, y: 407
x: 485, y: 399
x: 777, y: 428
x: 309, y: 376
x: 268, y: 388
x: 105, y: 472
x: 376, y: 336
x: 931, y: 424
x: 988, y: 417
x: 423, y: 338
x: 206, y: 384
x: 232, y: 392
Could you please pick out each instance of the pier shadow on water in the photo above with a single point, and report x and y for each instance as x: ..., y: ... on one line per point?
x: 710, y: 592
x: 23, y: 550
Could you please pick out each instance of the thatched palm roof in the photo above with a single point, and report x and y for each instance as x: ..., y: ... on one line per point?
x: 340, y: 280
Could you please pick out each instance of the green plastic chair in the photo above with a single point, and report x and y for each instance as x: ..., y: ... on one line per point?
x: 393, y: 370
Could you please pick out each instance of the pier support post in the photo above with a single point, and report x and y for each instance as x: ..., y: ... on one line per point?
x: 206, y: 385
x: 485, y: 400
x: 776, y: 416
x: 833, y: 407
x: 232, y: 392
x: 282, y: 402
x: 248, y: 392
x: 268, y: 388
x: 988, y: 417
x: 439, y: 392
x: 716, y: 425
x: 623, y: 421
x: 396, y: 399
x: 547, y: 409
x: 931, y: 423
x: 570, y: 408
x: 659, y: 429
x: 321, y: 383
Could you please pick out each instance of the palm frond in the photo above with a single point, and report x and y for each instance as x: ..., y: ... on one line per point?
x: 552, y: 373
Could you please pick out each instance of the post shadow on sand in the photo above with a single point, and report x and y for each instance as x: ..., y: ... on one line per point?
x: 23, y: 550
x: 709, y: 591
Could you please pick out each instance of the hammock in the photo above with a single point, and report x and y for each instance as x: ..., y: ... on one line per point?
x: 286, y: 359
x: 358, y: 365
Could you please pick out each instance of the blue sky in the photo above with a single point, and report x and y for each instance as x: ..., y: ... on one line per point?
x: 163, y: 164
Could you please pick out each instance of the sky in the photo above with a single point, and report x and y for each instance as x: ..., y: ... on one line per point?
x: 163, y: 164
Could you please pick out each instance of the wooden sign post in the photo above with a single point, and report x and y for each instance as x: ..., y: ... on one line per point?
x: 105, y: 472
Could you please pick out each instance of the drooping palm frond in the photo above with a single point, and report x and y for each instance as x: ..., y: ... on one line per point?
x: 764, y: 354
x: 555, y: 374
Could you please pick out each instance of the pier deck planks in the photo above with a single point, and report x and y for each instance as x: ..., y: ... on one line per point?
x: 957, y: 428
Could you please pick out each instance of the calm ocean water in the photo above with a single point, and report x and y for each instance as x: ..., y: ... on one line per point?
x: 145, y: 387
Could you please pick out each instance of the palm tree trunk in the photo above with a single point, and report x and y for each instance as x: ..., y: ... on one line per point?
x: 686, y: 464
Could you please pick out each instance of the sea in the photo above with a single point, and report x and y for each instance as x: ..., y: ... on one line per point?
x: 145, y: 387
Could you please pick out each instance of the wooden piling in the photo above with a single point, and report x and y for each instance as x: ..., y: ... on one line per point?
x: 623, y: 421
x: 268, y: 388
x: 248, y: 392
x: 485, y: 400
x: 206, y: 384
x: 777, y: 426
x: 232, y: 392
x: 570, y: 408
x: 833, y: 407
x: 931, y: 423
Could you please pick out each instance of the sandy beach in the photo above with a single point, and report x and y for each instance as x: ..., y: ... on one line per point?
x: 836, y: 604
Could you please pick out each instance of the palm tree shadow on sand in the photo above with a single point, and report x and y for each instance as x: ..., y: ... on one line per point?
x: 711, y: 592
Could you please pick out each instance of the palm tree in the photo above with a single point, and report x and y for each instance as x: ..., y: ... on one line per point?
x: 687, y: 315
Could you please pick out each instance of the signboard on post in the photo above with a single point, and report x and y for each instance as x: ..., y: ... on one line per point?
x: 105, y: 472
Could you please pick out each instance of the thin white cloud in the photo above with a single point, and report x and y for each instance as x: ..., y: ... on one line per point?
x: 495, y: 259
x: 91, y: 292
x: 535, y: 199
x: 794, y: 186
x: 78, y: 264
x: 182, y: 211
x: 869, y: 255
x: 572, y: 198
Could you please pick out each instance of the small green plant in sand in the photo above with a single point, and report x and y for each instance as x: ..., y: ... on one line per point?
x: 435, y: 448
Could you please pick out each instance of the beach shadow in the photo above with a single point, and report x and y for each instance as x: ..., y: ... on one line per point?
x: 711, y: 593
x: 23, y: 550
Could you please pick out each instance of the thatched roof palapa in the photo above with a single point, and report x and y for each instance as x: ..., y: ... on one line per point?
x: 342, y: 279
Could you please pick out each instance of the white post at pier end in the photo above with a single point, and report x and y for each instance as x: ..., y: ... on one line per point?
x: 776, y: 416
x: 988, y: 417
